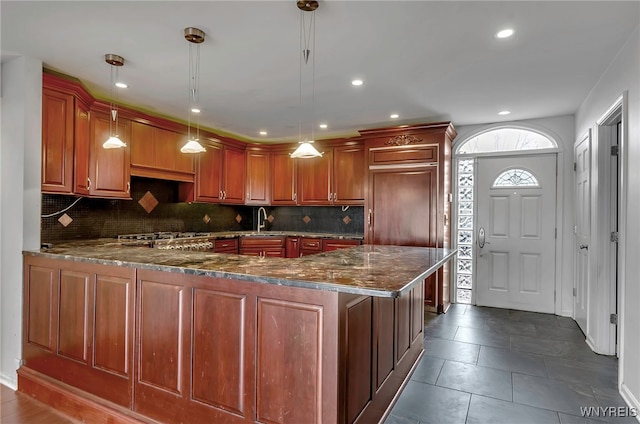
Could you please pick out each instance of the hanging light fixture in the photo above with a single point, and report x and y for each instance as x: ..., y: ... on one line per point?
x: 195, y: 37
x: 113, y: 142
x: 307, y: 48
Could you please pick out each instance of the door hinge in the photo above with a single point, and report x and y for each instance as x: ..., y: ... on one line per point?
x: 575, y: 166
x: 614, y: 237
x: 615, y: 149
x: 556, y: 233
x: 613, y: 319
x: 575, y: 292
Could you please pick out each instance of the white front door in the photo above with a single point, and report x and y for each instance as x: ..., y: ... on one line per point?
x: 515, y: 236
x: 582, y: 152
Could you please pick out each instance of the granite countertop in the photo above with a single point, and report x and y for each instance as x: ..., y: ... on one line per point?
x: 384, y: 271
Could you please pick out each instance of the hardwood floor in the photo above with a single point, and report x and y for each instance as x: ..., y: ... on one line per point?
x: 18, y: 408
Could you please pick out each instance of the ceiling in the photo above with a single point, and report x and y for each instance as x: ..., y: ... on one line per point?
x: 424, y: 60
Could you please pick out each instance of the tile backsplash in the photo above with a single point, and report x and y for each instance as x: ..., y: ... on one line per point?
x: 155, y: 207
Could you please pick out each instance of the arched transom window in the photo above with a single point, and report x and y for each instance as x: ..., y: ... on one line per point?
x: 506, y: 140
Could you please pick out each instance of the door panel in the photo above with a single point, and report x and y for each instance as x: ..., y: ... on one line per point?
x: 583, y: 233
x: 516, y: 257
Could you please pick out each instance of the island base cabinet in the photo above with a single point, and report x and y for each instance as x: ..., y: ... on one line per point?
x: 184, y: 348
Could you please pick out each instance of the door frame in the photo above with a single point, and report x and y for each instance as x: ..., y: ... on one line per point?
x: 560, y: 197
x: 586, y: 137
x: 605, y: 289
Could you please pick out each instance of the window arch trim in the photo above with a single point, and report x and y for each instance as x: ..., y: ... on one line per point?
x: 548, y: 134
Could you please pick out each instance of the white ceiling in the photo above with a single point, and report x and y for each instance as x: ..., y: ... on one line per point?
x: 425, y: 60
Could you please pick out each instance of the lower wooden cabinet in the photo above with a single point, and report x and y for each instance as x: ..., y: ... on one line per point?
x: 263, y: 246
x: 175, y: 347
x: 226, y: 245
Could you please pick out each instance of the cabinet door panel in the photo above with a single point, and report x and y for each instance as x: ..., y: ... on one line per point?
x: 142, y: 145
x: 112, y: 324
x: 208, y: 176
x: 109, y: 167
x: 258, y: 178
x: 57, y: 141
x: 82, y: 149
x: 314, y: 180
x: 349, y: 168
x: 73, y: 322
x: 283, y: 179
x: 234, y: 174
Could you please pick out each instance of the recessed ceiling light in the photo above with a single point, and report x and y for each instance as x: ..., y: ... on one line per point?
x: 121, y: 85
x: 323, y: 126
x: 505, y: 33
x: 504, y: 112
x: 263, y: 133
x: 394, y: 116
x: 357, y: 82
x: 195, y: 110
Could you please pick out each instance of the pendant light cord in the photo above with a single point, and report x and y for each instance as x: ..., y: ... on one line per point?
x: 300, y: 114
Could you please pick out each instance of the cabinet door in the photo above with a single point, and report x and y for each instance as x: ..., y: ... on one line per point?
x: 283, y: 179
x: 209, y: 174
x: 184, y: 162
x: 142, y: 145
x: 293, y: 247
x: 234, y: 175
x: 403, y: 206
x: 314, y: 180
x: 258, y: 182
x: 329, y: 245
x: 348, y: 175
x: 82, y: 149
x: 109, y: 168
x: 57, y: 141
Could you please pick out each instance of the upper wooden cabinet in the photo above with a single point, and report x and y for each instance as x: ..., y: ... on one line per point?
x: 109, y: 169
x: 284, y: 181
x: 57, y: 141
x: 258, y: 183
x: 220, y: 174
x: 336, y: 178
x: 155, y: 153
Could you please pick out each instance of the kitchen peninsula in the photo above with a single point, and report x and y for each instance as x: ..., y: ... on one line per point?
x: 118, y: 333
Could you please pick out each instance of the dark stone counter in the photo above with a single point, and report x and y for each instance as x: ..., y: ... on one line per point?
x: 384, y: 271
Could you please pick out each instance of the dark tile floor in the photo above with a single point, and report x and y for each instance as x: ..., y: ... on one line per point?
x: 488, y: 365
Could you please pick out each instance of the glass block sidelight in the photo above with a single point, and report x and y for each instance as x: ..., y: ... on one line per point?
x: 463, y: 296
x: 464, y: 236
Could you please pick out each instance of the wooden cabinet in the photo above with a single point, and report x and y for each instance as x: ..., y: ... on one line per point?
x: 78, y: 325
x: 220, y: 174
x: 109, y: 169
x: 227, y: 245
x: 82, y: 149
x: 258, y: 189
x: 292, y: 248
x: 409, y: 183
x: 155, y: 153
x: 57, y: 141
x: 263, y: 246
x: 336, y: 178
x: 310, y: 246
x: 284, y: 181
x: 329, y: 245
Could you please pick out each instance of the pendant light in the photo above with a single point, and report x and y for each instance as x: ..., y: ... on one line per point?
x: 306, y: 149
x: 113, y: 142
x: 195, y: 37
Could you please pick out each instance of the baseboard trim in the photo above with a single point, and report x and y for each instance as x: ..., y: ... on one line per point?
x: 12, y: 384
x: 73, y: 402
x: 630, y: 399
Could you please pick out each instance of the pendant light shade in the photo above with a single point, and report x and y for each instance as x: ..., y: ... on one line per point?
x: 305, y: 151
x: 195, y: 37
x: 113, y: 142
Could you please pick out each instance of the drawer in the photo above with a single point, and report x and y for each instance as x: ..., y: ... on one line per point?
x: 258, y: 242
x: 226, y: 245
x: 311, y: 244
x: 335, y: 244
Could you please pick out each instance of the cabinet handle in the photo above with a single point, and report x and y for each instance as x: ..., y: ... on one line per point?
x: 220, y: 194
x: 330, y: 197
x: 294, y: 197
x: 128, y: 187
x: 370, y: 218
x: 88, y: 183
x: 335, y: 196
x: 224, y: 194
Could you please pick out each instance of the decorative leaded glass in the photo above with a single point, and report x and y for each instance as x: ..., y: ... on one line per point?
x: 465, y: 222
x: 465, y: 193
x: 464, y: 265
x: 465, y: 166
x: 464, y: 281
x: 465, y: 252
x: 506, y: 140
x: 516, y: 178
x: 463, y: 296
x: 465, y: 208
x: 465, y: 237
x: 465, y: 180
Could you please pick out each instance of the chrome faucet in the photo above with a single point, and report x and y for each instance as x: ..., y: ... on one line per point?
x: 264, y: 218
